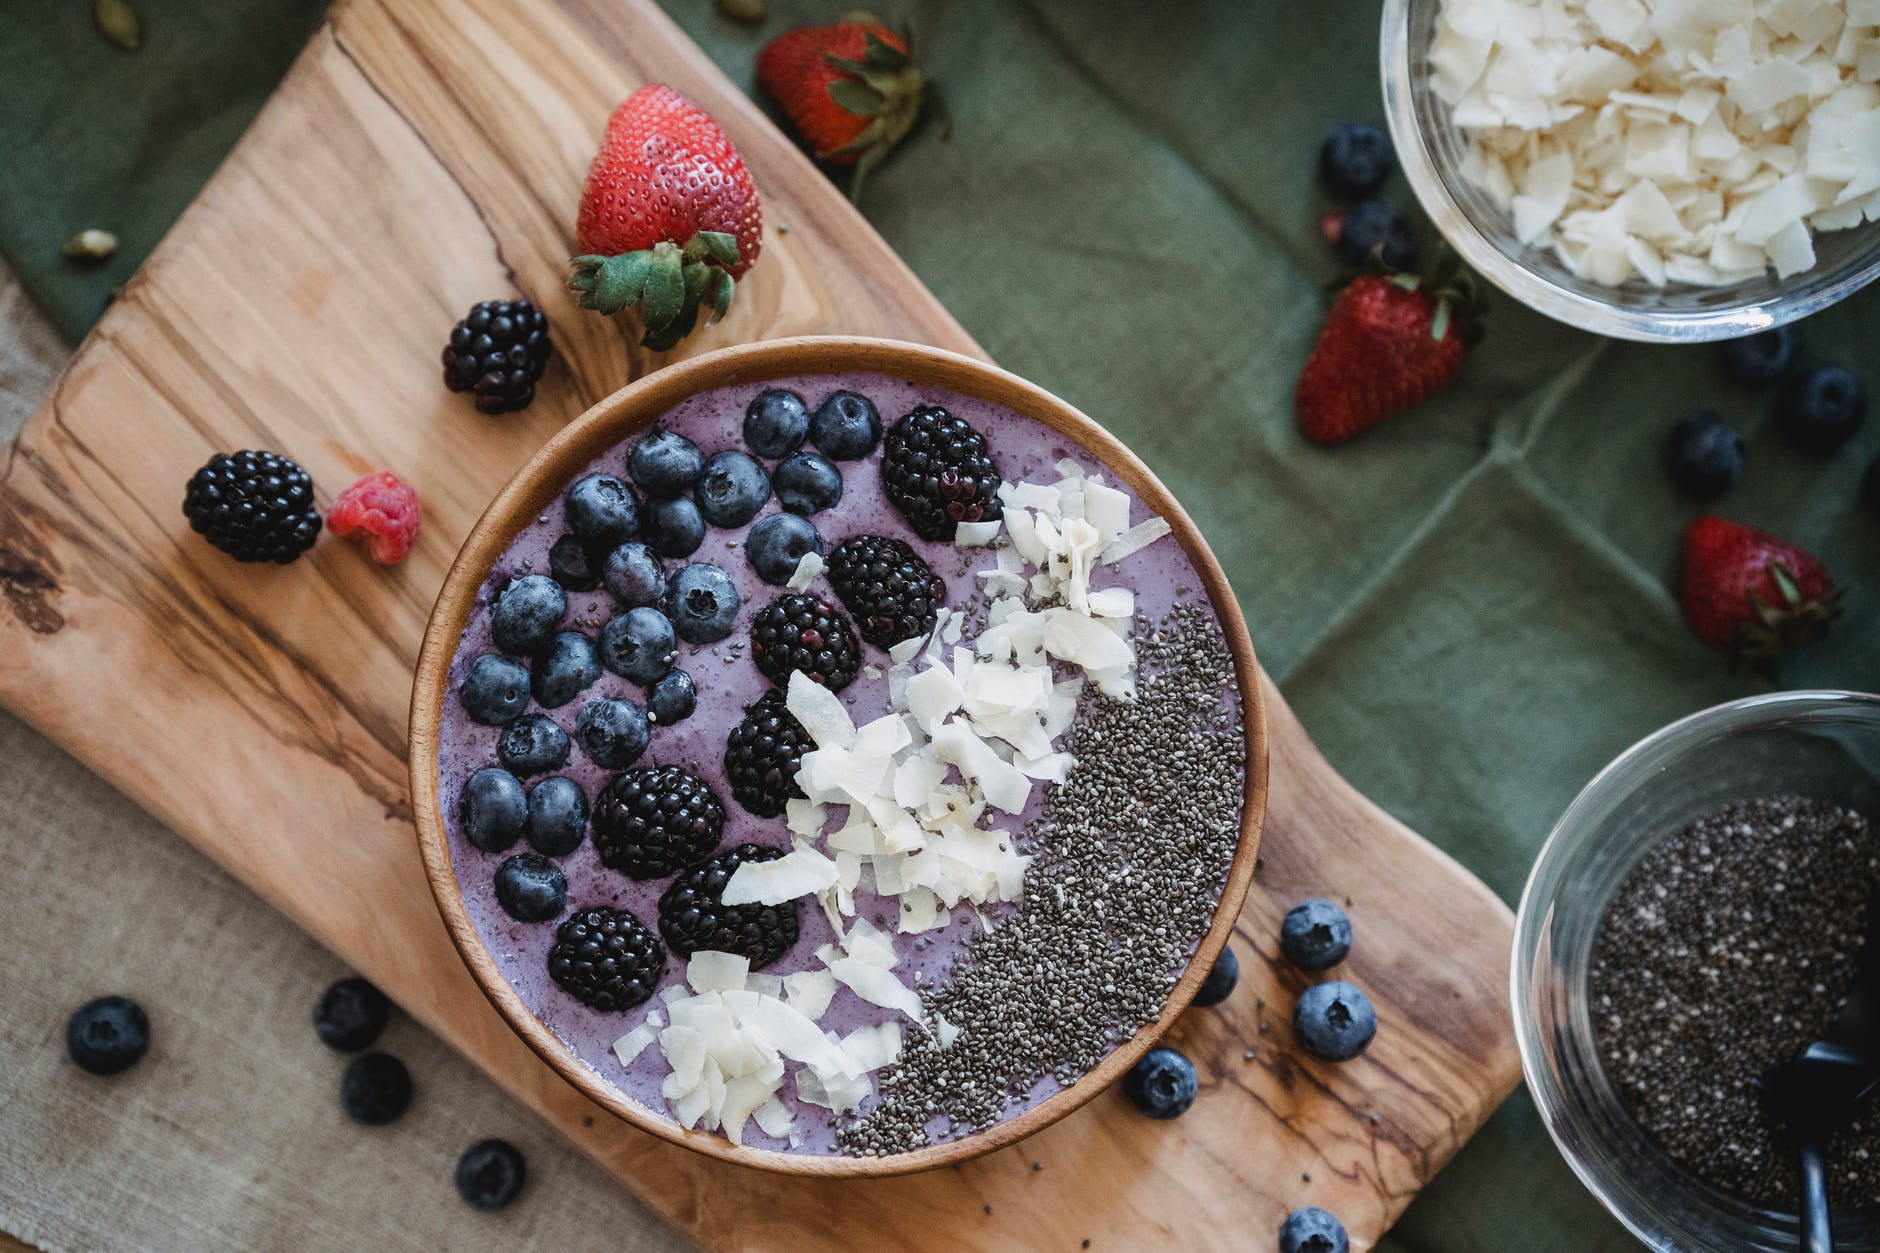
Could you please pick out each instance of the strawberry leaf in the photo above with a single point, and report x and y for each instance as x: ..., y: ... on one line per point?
x: 857, y: 97
x: 719, y: 246
x: 721, y: 287
x: 663, y: 296
x: 883, y: 55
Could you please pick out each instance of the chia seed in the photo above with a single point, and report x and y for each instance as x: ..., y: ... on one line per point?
x: 1696, y: 987
x: 1129, y: 857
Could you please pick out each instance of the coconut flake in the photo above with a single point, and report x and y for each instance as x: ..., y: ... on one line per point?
x: 632, y: 1044
x: 798, y: 873
x: 808, y: 566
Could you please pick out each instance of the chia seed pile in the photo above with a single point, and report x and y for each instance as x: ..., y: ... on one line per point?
x: 1726, y: 950
x: 1131, y: 853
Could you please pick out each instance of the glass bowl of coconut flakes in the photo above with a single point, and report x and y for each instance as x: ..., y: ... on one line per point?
x: 1655, y: 170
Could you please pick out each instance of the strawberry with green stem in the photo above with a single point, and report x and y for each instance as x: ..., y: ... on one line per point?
x: 1391, y: 340
x: 1751, y: 594
x: 852, y: 89
x: 669, y: 219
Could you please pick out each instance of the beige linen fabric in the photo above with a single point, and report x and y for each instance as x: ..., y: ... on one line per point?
x: 229, y: 1135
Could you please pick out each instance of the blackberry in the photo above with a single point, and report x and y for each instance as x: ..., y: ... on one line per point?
x: 893, y: 594
x: 254, y: 506
x: 807, y: 633
x: 937, y: 473
x: 654, y: 820
x: 498, y: 351
x: 606, y: 959
x: 692, y: 915
x: 762, y: 754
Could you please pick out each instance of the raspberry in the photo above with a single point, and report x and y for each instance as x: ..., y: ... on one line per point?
x: 383, y: 510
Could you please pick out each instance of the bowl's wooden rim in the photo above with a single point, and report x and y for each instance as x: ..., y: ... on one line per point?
x: 638, y: 405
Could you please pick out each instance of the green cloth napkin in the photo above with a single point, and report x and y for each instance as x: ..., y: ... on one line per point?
x: 1470, y: 607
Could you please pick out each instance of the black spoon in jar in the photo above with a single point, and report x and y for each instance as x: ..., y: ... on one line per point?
x: 1817, y: 1092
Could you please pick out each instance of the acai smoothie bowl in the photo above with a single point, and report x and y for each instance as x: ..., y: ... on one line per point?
x: 837, y: 756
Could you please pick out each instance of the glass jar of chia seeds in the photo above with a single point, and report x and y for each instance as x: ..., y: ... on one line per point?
x: 1823, y: 746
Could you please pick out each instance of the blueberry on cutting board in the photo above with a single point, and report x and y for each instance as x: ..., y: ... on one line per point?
x: 350, y: 1015
x: 108, y: 1035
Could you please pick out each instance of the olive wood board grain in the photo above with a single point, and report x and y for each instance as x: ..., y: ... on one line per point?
x: 426, y: 154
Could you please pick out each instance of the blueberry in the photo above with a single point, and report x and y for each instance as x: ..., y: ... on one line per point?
x: 494, y: 809
x: 634, y: 575
x: 807, y: 483
x: 732, y: 489
x: 1220, y: 981
x: 574, y: 563
x: 558, y: 816
x: 1334, y: 1021
x: 530, y: 887
x: 601, y: 510
x: 1870, y: 485
x: 1355, y: 160
x: 350, y: 1015
x: 1162, y: 1084
x: 490, y: 1174
x: 613, y: 733
x: 665, y: 463
x: 568, y: 668
x: 495, y: 690
x: 703, y: 603
x: 532, y: 744
x: 672, y: 699
x: 1373, y: 226
x: 107, y: 1035
x: 526, y: 614
x: 775, y: 423
x: 845, y: 426
x: 1704, y: 455
x: 1760, y: 359
x: 1821, y: 408
x: 673, y: 527
x: 777, y: 543
x: 1316, y: 935
x: 1312, y: 1230
x: 639, y: 645
x: 375, y: 1089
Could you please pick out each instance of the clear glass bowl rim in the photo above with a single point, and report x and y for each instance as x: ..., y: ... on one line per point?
x: 1602, y: 317
x: 1540, y: 891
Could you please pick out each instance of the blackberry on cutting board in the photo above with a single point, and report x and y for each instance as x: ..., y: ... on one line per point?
x: 693, y: 915
x: 807, y: 633
x: 893, y: 594
x: 762, y: 754
x: 498, y: 351
x: 606, y: 958
x: 937, y: 472
x: 254, y: 506
x: 652, y: 821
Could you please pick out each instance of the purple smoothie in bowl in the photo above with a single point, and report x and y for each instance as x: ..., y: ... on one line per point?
x: 1091, y: 867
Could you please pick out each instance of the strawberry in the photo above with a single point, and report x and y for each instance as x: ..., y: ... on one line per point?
x: 1751, y: 594
x: 852, y: 90
x: 668, y: 219
x: 1391, y: 341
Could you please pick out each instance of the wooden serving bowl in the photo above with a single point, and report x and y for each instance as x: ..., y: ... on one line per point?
x: 635, y: 407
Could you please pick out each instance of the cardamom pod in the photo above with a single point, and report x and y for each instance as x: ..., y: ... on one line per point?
x: 118, y: 21
x: 90, y: 245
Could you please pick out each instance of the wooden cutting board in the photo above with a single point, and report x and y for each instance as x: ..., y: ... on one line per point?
x: 425, y: 154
